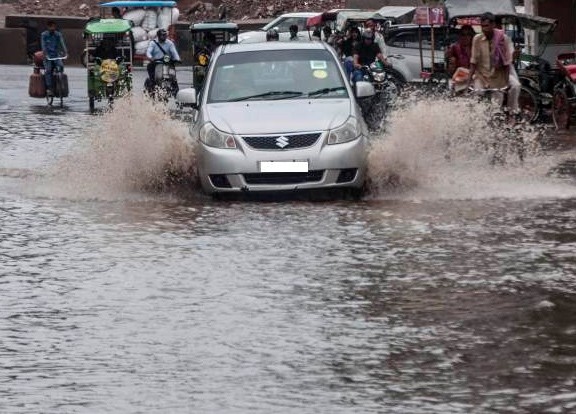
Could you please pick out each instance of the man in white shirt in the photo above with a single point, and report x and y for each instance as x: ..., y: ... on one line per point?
x: 157, y: 49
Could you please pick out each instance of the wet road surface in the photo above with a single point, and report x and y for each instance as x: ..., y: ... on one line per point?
x: 453, y: 295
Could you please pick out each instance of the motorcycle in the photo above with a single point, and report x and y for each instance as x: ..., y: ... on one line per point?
x: 165, y: 84
x: 387, y: 87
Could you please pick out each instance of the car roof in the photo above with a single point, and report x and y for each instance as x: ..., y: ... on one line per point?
x: 298, y: 14
x: 275, y: 45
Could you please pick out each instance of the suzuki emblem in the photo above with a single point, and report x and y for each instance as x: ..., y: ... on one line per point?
x: 282, y: 141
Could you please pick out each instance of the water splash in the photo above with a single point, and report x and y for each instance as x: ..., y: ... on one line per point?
x: 136, y: 147
x: 438, y: 148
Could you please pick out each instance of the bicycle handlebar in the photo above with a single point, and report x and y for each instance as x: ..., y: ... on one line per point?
x: 58, y: 58
x: 482, y: 90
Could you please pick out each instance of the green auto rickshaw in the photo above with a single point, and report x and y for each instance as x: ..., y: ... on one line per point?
x: 206, y: 36
x: 108, y: 58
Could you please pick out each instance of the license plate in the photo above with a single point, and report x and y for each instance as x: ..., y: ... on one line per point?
x: 283, y: 166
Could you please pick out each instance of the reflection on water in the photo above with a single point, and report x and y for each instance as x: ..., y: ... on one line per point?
x: 455, y: 295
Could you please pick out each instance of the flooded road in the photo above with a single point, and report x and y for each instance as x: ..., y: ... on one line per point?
x: 453, y: 293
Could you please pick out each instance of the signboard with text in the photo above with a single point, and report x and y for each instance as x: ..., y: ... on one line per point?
x: 429, y: 16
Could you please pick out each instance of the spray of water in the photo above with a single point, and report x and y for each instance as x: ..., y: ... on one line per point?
x: 136, y: 147
x: 432, y: 148
x: 436, y: 148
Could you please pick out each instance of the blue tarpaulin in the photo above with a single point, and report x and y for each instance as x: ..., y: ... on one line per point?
x: 138, y: 4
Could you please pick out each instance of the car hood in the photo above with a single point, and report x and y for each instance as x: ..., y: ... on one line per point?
x: 277, y: 117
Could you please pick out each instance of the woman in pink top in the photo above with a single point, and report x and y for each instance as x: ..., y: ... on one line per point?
x: 458, y: 54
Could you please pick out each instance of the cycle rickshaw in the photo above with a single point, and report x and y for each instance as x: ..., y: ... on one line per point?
x: 461, y: 12
x: 564, y: 101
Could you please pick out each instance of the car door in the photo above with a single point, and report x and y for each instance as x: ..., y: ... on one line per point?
x: 405, y: 45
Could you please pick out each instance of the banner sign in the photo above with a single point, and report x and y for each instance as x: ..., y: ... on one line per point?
x: 429, y: 16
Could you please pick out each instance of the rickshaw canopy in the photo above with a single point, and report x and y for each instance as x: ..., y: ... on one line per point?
x: 138, y: 4
x: 100, y: 26
x: 214, y: 26
x: 326, y: 17
x: 466, y: 8
x: 540, y: 24
x: 397, y: 14
x: 343, y: 18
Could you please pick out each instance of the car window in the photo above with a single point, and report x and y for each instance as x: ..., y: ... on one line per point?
x: 409, y: 39
x: 282, y: 74
x: 283, y: 24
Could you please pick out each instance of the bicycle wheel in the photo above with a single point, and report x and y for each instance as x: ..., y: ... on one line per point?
x: 50, y: 97
x: 60, y: 90
x: 561, y: 111
x: 528, y: 104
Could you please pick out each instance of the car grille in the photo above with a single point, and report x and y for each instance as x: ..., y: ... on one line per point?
x: 282, y: 142
x: 284, y: 178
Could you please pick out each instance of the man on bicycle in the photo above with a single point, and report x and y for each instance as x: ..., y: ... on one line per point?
x: 365, y: 53
x: 53, y: 47
x: 491, y: 62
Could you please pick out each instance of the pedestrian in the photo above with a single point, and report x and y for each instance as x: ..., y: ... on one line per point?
x: 272, y: 35
x: 293, y: 29
x: 458, y: 53
x: 116, y: 14
x: 346, y: 49
x: 53, y: 47
x: 491, y: 61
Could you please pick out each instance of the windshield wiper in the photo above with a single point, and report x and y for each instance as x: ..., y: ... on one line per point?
x: 275, y: 94
x: 325, y: 91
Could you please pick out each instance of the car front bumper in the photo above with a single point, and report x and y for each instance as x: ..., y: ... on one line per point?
x: 239, y: 170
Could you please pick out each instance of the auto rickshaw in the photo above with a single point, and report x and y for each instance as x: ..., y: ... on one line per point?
x: 109, y: 55
x: 206, y: 36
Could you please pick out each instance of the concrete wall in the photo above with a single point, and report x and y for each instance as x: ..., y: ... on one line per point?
x: 13, y: 43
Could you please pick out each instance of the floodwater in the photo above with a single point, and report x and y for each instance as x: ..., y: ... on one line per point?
x: 449, y: 289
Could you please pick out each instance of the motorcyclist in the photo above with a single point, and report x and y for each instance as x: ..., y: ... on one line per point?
x: 53, y: 46
x: 157, y: 49
x: 272, y: 35
x: 365, y: 53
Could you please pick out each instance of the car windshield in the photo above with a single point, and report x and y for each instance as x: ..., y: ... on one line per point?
x: 276, y: 75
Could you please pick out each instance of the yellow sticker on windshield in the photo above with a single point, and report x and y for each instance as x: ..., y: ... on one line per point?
x: 320, y: 74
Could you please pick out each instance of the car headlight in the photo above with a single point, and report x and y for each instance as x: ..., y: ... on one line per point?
x: 348, y: 131
x: 212, y: 137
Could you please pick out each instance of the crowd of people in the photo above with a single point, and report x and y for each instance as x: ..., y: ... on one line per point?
x: 484, y: 59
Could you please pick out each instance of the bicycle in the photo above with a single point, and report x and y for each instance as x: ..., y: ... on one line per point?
x: 59, y: 82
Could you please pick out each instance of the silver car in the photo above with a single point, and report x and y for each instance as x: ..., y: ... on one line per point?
x: 278, y: 116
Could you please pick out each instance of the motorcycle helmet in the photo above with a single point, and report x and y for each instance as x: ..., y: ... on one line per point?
x: 368, y: 34
x: 272, y: 34
x: 162, y: 34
